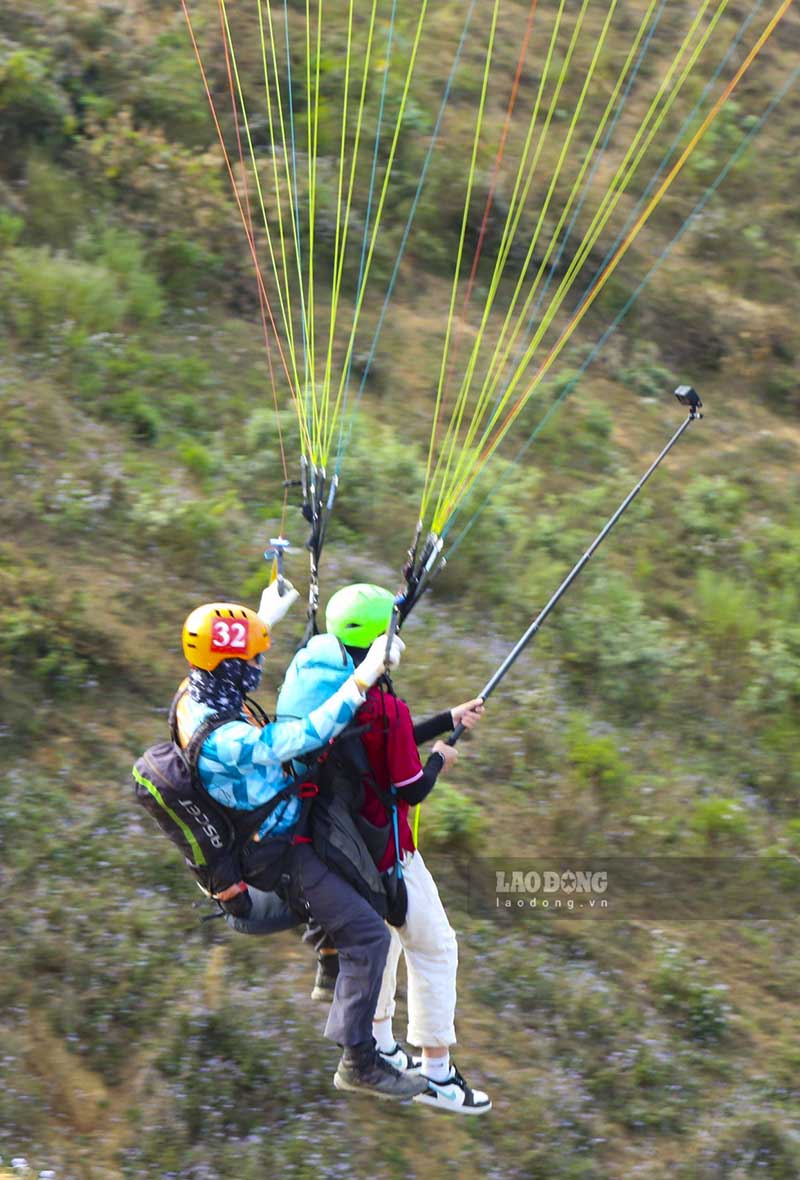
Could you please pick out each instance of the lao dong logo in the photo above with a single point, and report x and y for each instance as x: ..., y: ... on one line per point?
x: 550, y: 889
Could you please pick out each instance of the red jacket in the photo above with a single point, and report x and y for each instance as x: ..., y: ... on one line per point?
x: 394, y: 760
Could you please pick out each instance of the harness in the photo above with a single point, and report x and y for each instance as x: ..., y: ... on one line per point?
x: 243, y: 824
x: 219, y: 844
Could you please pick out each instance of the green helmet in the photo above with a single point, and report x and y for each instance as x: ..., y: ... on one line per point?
x: 358, y: 614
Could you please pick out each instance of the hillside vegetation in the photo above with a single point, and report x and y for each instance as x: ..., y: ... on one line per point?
x: 657, y: 713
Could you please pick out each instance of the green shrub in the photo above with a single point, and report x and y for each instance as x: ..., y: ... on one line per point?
x: 774, y: 685
x: 611, y: 647
x: 188, y: 269
x: 729, y: 613
x: 584, y: 445
x: 712, y: 506
x: 773, y: 558
x: 122, y: 253
x: 761, y: 1146
x: 172, y: 198
x: 720, y: 821
x: 699, y: 1009
x: 135, y: 408
x: 116, y: 377
x: 783, y: 868
x: 166, y: 94
x: 645, y: 374
x: 776, y: 759
x: 193, y: 532
x: 492, y: 533
x: 377, y: 464
x: 48, y: 297
x: 55, y: 204
x: 33, y: 108
x: 719, y: 142
x: 598, y: 424
x: 11, y: 228
x: 49, y: 635
x: 596, y: 760
x: 197, y: 458
x: 782, y: 389
x: 450, y: 819
x: 793, y: 834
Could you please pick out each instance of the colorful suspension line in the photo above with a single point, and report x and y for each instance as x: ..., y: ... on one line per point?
x: 654, y: 179
x: 448, y: 454
x: 389, y: 168
x: 348, y: 419
x: 480, y: 450
x: 597, y: 347
x: 618, y: 185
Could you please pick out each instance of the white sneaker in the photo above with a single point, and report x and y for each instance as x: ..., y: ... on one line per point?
x: 454, y: 1095
x: 401, y: 1060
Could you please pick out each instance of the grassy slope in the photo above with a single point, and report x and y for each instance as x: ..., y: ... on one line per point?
x: 137, y: 1043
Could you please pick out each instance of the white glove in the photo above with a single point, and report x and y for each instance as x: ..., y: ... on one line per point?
x: 273, y: 606
x: 373, y: 666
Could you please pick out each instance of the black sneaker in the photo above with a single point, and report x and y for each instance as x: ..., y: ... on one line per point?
x: 454, y: 1095
x: 362, y: 1069
x: 325, y: 979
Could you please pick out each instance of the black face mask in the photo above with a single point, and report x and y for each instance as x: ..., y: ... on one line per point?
x: 357, y: 654
x: 224, y: 689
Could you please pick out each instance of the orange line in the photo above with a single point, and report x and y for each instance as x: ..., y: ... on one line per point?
x: 622, y: 249
x: 250, y: 230
x: 500, y: 153
x: 250, y: 241
x: 485, y: 220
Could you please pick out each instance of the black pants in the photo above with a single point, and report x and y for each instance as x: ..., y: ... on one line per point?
x: 360, y: 936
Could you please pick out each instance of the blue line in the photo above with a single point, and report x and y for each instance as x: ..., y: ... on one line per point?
x: 375, y: 154
x: 584, y: 193
x: 669, y: 154
x: 632, y: 216
x: 587, y: 183
x: 527, y: 335
x: 398, y: 856
x: 343, y: 442
x: 698, y: 209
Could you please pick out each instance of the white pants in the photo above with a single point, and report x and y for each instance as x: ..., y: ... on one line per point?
x: 429, y: 944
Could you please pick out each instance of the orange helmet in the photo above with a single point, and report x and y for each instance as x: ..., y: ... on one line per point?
x: 222, y: 631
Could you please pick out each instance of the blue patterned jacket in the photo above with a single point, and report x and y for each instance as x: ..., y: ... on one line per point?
x: 241, y: 764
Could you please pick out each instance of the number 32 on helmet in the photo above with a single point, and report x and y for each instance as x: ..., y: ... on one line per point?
x: 223, y: 631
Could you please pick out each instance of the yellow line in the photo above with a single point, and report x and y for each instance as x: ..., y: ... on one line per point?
x: 623, y: 248
x: 616, y: 188
x: 460, y: 254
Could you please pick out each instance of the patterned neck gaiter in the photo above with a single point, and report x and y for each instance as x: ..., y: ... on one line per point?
x: 224, y: 689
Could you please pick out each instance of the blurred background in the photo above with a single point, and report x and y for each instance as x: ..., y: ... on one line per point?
x: 537, y: 219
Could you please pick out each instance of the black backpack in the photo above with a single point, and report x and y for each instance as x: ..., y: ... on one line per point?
x: 342, y: 837
x: 211, y: 837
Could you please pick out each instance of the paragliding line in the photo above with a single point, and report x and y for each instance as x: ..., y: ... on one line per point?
x: 491, y: 444
x: 620, y: 316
